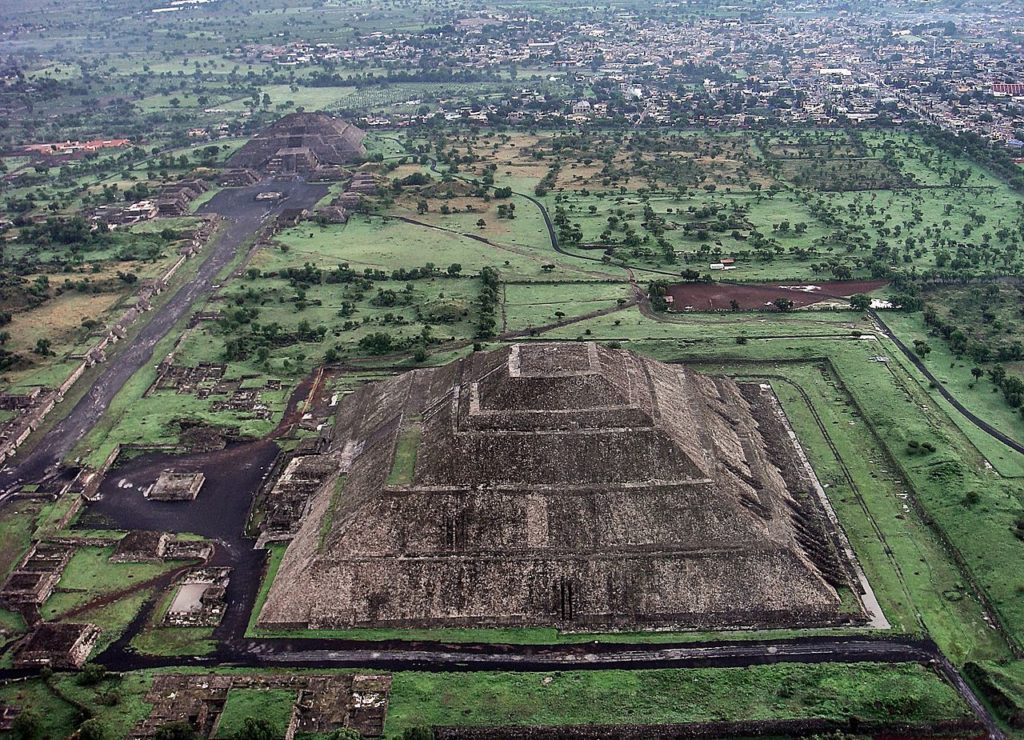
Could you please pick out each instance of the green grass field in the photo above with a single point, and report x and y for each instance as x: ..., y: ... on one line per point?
x: 272, y: 705
x: 866, y: 691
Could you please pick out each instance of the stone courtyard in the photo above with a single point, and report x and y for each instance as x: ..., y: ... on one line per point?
x: 323, y: 703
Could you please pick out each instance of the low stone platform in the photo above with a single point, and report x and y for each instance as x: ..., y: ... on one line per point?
x: 172, y: 486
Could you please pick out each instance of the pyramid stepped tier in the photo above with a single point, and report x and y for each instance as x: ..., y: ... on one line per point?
x: 302, y: 144
x: 566, y: 485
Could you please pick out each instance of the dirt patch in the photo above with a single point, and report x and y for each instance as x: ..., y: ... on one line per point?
x: 760, y: 296
x: 58, y: 319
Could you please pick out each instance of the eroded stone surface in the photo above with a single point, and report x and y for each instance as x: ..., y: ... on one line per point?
x: 301, y: 143
x: 561, y: 484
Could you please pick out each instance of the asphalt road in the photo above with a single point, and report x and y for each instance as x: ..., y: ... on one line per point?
x: 243, y: 216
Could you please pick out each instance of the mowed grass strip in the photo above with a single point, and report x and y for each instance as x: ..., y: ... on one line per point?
x: 867, y: 691
x: 405, y: 455
x: 336, y: 493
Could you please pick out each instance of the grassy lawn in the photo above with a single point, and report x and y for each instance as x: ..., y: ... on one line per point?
x: 535, y: 304
x: 405, y: 454
x: 980, y: 396
x: 89, y: 575
x: 388, y: 244
x: 867, y: 691
x: 57, y: 717
x: 273, y: 705
x: 17, y: 523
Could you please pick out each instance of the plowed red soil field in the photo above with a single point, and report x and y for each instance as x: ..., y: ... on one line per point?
x: 760, y: 296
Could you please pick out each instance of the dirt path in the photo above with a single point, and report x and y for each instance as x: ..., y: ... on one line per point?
x: 244, y: 216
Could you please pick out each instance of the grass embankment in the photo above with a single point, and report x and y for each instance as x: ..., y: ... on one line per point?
x: 884, y: 693
x: 866, y: 691
x: 980, y: 396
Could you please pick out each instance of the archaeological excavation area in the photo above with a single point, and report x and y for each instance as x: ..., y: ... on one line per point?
x: 566, y: 485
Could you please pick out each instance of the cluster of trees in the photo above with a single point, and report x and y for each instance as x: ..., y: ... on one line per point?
x: 444, y: 74
x: 258, y: 339
x: 569, y: 234
x: 976, y: 330
x: 984, y: 151
x: 548, y: 181
x: 72, y: 232
x: 657, y: 290
x: 488, y: 302
x: 965, y: 339
x: 507, y: 210
x: 1012, y: 386
x: 309, y: 274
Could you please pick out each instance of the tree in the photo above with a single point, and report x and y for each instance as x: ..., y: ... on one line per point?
x: 860, y: 302
x: 255, y: 728
x: 377, y: 343
x: 179, y: 730
x: 783, y: 304
x: 92, y: 729
x: 418, y: 733
x: 421, y: 207
x: 27, y: 725
x: 454, y: 269
x: 42, y: 346
x: 92, y: 675
x: 345, y: 733
x: 481, y: 223
x: 921, y: 347
x: 977, y: 372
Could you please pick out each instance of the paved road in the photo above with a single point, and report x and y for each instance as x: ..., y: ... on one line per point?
x: 243, y: 216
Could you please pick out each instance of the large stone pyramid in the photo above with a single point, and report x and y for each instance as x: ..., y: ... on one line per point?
x: 301, y: 143
x: 563, y: 484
